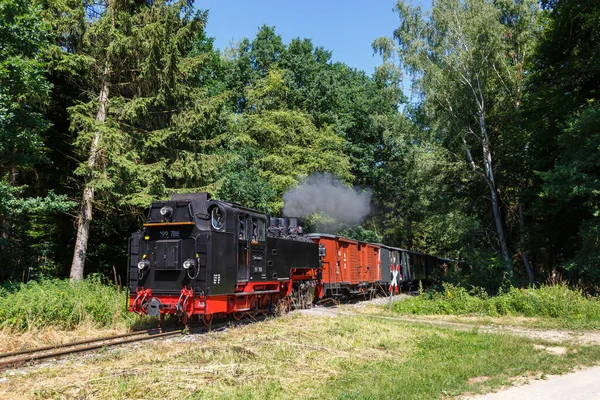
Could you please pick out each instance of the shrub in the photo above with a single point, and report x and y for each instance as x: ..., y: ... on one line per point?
x: 62, y: 304
x: 547, y: 301
x: 452, y: 299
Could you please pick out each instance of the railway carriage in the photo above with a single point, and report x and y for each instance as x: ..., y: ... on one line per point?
x: 350, y: 267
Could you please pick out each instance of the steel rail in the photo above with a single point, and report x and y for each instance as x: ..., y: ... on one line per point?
x: 80, y: 342
x: 8, y: 360
x: 76, y: 347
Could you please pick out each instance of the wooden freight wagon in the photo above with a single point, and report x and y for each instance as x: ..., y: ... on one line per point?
x: 350, y: 268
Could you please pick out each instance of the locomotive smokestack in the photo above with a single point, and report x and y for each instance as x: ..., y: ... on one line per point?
x: 323, y: 193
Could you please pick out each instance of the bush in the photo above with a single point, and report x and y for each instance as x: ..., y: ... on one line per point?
x: 451, y: 299
x: 62, y: 304
x: 547, y: 301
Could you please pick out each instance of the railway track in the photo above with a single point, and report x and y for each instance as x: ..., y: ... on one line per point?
x: 20, y: 358
x: 16, y: 359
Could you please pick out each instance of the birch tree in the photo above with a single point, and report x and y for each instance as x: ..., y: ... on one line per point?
x: 457, y: 56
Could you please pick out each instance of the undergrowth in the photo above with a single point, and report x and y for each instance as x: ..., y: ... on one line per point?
x: 62, y: 304
x: 547, y: 301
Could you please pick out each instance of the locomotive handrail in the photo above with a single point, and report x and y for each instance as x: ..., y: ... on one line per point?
x: 257, y: 292
x: 170, y: 223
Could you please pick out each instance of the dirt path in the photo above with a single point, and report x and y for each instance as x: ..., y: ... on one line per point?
x: 580, y: 385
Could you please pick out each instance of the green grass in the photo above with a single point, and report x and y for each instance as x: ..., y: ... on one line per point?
x: 62, y: 304
x: 418, y: 363
x: 448, y: 363
x: 571, y: 307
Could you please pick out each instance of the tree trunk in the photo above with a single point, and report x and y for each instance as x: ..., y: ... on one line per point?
x: 489, y: 173
x: 85, y: 213
x: 6, y: 218
x: 12, y: 180
x: 522, y: 240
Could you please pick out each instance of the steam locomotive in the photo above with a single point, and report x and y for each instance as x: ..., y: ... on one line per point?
x: 197, y: 258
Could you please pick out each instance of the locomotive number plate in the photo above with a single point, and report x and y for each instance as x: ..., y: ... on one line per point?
x: 169, y: 234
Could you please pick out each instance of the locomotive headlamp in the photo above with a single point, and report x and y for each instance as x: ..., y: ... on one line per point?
x: 142, y: 265
x: 187, y: 264
x: 166, y: 211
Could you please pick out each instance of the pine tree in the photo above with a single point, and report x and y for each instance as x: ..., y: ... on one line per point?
x: 146, y: 128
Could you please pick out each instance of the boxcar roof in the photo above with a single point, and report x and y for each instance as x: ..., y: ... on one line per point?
x: 316, y: 235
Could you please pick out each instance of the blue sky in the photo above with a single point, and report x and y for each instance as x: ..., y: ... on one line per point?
x: 346, y: 28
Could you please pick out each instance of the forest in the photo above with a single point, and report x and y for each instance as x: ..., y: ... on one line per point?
x: 493, y: 158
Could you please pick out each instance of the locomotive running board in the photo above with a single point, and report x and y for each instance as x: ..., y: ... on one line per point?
x: 261, y: 292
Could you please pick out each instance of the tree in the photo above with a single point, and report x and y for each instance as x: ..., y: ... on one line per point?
x: 145, y: 129
x: 574, y: 184
x: 562, y: 94
x: 295, y: 92
x: 288, y: 144
x: 24, y: 96
x: 23, y: 89
x: 459, y: 56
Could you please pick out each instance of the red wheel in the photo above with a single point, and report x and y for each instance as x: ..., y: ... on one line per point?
x: 253, y: 308
x: 207, y: 319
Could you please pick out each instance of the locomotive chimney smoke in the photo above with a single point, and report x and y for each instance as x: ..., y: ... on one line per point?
x: 325, y: 194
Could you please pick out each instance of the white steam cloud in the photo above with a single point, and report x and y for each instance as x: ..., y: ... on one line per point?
x: 325, y: 194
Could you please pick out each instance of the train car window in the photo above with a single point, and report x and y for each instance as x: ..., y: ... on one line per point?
x: 217, y: 218
x: 261, y: 230
x: 241, y: 227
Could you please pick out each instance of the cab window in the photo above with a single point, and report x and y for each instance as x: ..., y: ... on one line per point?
x: 217, y: 218
x: 252, y: 230
x: 261, y: 230
x: 241, y: 228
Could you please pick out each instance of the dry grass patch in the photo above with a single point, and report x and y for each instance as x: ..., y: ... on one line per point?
x: 295, y: 355
x: 558, y: 350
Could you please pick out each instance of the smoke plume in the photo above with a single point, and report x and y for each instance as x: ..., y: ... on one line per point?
x: 324, y: 194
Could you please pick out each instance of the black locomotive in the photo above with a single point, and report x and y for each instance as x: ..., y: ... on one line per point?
x: 199, y: 257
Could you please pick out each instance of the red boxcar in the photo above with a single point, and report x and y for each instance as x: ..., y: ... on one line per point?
x: 350, y: 268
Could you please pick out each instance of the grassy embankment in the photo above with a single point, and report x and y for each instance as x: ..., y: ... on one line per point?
x: 544, y: 307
